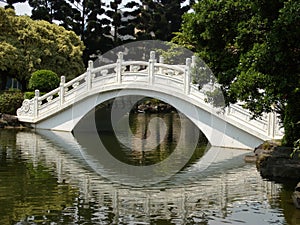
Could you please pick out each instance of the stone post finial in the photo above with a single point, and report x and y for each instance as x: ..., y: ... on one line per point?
x: 161, y: 59
x: 188, y: 62
x: 62, y: 80
x: 194, y: 60
x: 120, y: 56
x: 37, y: 93
x: 152, y: 55
x: 91, y: 64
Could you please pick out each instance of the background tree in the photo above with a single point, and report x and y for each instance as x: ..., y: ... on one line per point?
x: 84, y: 17
x: 123, y: 20
x: 160, y: 19
x: 27, y: 45
x: 253, y: 50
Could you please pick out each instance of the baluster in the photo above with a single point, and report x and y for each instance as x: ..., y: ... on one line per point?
x: 187, y: 76
x: 62, y: 90
x: 161, y: 60
x: 271, y: 124
x: 89, y: 75
x: 151, y: 67
x: 194, y: 60
x: 36, y: 103
x: 119, y: 67
x: 228, y: 110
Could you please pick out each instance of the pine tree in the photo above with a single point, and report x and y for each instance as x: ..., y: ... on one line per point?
x: 161, y: 18
x: 123, y: 19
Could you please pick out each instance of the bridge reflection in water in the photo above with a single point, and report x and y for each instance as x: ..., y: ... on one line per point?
x: 204, y: 191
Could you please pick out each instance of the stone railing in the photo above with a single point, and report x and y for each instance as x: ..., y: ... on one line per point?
x: 171, y: 79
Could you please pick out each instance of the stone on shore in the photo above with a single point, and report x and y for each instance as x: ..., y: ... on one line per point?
x: 7, y: 121
x: 277, y: 164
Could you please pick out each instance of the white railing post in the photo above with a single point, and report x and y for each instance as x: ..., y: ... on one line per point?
x: 62, y: 90
x: 36, y: 103
x: 228, y: 110
x: 194, y: 60
x: 151, y: 67
x: 89, y: 75
x: 161, y: 60
x: 119, y: 67
x: 187, y: 76
x: 271, y: 124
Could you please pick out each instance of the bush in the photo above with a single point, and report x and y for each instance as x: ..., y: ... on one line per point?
x: 10, y: 101
x: 43, y: 80
x: 29, y: 95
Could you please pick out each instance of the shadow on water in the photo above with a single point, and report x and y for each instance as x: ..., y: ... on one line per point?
x: 155, y: 136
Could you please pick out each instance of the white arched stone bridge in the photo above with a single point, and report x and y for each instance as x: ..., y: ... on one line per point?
x: 62, y: 108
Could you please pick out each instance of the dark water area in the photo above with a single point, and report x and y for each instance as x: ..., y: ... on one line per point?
x: 56, y: 178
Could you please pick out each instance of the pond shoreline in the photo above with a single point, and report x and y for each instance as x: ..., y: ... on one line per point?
x: 276, y: 162
x: 8, y: 121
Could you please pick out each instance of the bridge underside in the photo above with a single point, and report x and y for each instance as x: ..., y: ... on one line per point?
x: 218, y: 131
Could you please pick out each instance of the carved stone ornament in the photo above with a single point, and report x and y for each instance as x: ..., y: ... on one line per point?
x: 26, y: 108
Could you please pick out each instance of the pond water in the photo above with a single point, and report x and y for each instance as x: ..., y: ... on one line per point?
x: 57, y: 178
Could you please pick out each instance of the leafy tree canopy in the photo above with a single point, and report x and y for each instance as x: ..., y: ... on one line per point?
x: 84, y: 17
x: 27, y: 45
x: 253, y: 49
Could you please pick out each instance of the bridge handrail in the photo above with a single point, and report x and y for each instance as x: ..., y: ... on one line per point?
x: 49, y: 94
x: 75, y: 80
x: 172, y: 67
x: 104, y: 67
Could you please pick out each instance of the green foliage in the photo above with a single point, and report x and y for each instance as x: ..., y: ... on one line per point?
x: 43, y: 80
x: 215, y: 97
x: 173, y: 53
x: 253, y: 49
x: 29, y: 94
x: 296, y: 149
x: 27, y: 45
x: 201, y: 74
x: 291, y: 121
x: 10, y: 101
x: 160, y: 19
x: 85, y: 17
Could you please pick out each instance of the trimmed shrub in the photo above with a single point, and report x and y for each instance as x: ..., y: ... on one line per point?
x: 10, y: 101
x: 29, y: 95
x: 43, y: 80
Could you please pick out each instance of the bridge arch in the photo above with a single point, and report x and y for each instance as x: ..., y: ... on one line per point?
x: 217, y: 130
